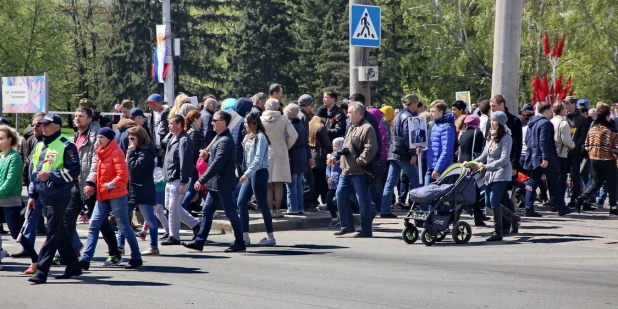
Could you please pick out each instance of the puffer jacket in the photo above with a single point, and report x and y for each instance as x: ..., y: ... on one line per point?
x: 562, y: 136
x: 141, y: 164
x: 441, y: 147
x: 112, y: 168
x: 377, y: 114
x: 88, y: 158
x: 361, y: 138
x: 400, y: 131
x: 322, y: 148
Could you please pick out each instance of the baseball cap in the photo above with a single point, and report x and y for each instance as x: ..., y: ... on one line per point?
x: 583, y: 102
x: 155, y: 97
x: 571, y: 98
x: 409, y: 99
x: 51, y: 118
x: 136, y: 111
x: 4, y: 121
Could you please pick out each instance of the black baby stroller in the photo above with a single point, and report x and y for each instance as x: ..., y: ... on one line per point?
x: 439, y: 205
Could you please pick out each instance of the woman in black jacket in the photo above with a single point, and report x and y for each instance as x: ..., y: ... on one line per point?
x: 141, y: 163
x: 321, y: 146
x: 193, y: 127
x: 470, y: 147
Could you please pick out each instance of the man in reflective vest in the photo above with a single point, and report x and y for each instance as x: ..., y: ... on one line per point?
x: 54, y: 169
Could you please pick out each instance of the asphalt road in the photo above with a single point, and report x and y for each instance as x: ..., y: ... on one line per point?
x: 552, y: 263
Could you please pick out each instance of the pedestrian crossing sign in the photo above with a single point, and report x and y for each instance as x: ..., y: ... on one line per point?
x: 365, y: 25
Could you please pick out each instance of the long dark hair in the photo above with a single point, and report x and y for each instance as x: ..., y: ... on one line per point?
x: 500, y: 131
x: 255, y: 125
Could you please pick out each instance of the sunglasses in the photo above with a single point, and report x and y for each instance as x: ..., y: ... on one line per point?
x: 217, y: 120
x: 36, y: 125
x: 132, y: 138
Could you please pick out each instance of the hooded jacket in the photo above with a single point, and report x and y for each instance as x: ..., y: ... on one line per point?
x: 112, y: 168
x: 282, y: 137
x: 562, y: 136
x: 377, y: 114
x: 141, y: 164
x: 540, y: 143
x: 441, y: 147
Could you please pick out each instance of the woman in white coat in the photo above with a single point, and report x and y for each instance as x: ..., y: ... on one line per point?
x: 282, y: 136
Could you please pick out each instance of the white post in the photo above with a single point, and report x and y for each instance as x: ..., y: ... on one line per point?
x: 507, y: 48
x: 169, y: 80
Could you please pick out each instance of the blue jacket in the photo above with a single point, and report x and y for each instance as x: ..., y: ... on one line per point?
x: 299, y: 153
x: 207, y: 129
x: 441, y: 147
x: 540, y: 142
x: 400, y: 130
x: 256, y: 154
x: 243, y: 107
x: 333, y: 173
x: 141, y: 164
x: 221, y: 172
x: 60, y: 182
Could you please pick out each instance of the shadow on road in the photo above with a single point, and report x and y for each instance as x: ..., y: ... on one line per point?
x: 196, y: 255
x: 285, y: 252
x: 98, y: 280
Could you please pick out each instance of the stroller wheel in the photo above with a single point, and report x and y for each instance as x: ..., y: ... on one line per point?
x: 410, y: 234
x: 462, y: 232
x: 427, y: 238
x: 441, y: 236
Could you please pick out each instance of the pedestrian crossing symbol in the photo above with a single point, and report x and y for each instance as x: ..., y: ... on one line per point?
x: 365, y: 26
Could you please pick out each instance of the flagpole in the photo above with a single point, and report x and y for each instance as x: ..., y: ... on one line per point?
x: 169, y: 79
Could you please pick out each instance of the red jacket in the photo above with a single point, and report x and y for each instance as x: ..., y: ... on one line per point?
x: 112, y: 168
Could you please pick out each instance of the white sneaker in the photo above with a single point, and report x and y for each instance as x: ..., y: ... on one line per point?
x: 245, y: 238
x: 267, y: 242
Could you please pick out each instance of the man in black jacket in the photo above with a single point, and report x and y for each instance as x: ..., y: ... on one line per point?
x: 259, y: 100
x: 210, y: 105
x: 336, y: 122
x: 220, y: 180
x: 158, y: 124
x: 576, y: 155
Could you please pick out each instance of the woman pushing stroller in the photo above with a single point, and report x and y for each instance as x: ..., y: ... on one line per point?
x: 495, y: 159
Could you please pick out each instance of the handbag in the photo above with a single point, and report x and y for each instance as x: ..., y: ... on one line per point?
x: 475, y: 154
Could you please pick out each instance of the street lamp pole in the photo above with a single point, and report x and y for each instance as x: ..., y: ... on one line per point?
x: 169, y: 79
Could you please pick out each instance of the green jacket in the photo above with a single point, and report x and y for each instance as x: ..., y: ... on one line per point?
x: 11, y: 168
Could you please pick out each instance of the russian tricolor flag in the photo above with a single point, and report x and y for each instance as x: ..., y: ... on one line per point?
x: 160, y: 68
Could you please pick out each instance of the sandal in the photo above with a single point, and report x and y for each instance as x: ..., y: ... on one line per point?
x: 31, y: 270
x: 278, y: 214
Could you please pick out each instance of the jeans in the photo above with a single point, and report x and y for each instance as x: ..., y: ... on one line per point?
x: 32, y: 218
x: 153, y: 227
x: 296, y: 194
x: 190, y: 194
x: 551, y: 173
x: 13, y: 220
x: 256, y: 185
x: 603, y: 172
x: 428, y: 179
x: 394, y: 171
x: 177, y: 214
x: 229, y: 206
x: 57, y: 237
x: 494, y: 192
x: 358, y: 185
x: 575, y: 163
x: 101, y: 211
x: 332, y: 205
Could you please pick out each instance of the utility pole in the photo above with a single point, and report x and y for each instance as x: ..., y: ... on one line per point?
x: 507, y: 49
x: 359, y: 56
x: 169, y: 80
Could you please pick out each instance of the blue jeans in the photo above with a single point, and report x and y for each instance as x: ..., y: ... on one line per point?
x: 494, y: 192
x: 33, y: 222
x: 258, y: 185
x: 153, y: 226
x: 555, y: 189
x: 394, y: 172
x: 296, y: 194
x: 13, y: 220
x: 102, y: 210
x: 226, y: 198
x: 428, y: 179
x: 190, y: 194
x: 358, y: 185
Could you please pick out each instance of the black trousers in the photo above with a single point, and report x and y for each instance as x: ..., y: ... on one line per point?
x: 76, y: 205
x: 57, y: 237
x: 320, y: 186
x: 308, y: 198
x: 603, y: 172
x: 332, y: 207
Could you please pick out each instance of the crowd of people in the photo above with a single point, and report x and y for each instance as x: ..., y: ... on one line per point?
x: 344, y: 157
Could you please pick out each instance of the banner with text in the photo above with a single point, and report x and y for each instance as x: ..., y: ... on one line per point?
x: 24, y: 94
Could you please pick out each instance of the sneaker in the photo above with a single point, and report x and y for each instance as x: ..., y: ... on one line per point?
x: 141, y: 236
x: 57, y: 261
x: 170, y: 241
x: 267, y: 242
x: 532, y: 214
x: 112, y: 261
x: 334, y: 223
x: 196, y: 229
x: 151, y: 251
x: 165, y: 236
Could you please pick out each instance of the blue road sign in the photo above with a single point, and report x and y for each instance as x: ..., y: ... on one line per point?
x: 365, y: 25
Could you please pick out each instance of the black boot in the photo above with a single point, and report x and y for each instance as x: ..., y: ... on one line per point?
x: 497, y: 236
x: 512, y: 217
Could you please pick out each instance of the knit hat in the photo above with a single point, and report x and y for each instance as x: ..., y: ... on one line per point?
x: 339, y: 142
x: 500, y: 117
x: 321, y: 112
x: 291, y: 111
x: 229, y: 103
x: 472, y: 121
x: 185, y: 109
x: 305, y: 100
x: 272, y: 105
x: 107, y: 132
x: 527, y: 107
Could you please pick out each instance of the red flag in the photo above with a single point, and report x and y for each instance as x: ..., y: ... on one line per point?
x: 546, y: 47
x: 554, y: 53
x: 561, y: 45
x: 567, y: 86
x: 536, y: 83
x: 572, y: 91
x: 558, y: 87
x: 545, y: 88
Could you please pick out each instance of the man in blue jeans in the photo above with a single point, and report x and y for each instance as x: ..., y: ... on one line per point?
x: 401, y: 155
x: 359, y: 149
x: 220, y: 180
x: 441, y: 145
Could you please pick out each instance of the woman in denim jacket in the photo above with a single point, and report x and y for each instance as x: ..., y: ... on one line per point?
x: 255, y: 178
